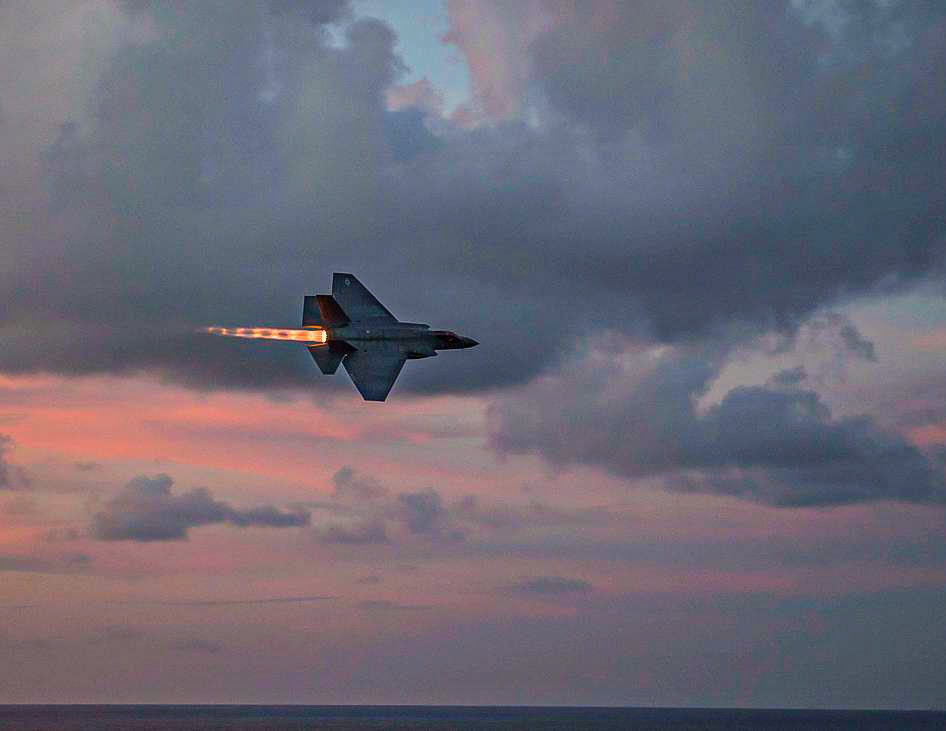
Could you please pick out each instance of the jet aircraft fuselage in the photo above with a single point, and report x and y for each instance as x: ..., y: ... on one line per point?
x: 412, y: 339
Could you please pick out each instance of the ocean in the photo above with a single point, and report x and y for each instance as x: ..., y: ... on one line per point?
x: 458, y: 718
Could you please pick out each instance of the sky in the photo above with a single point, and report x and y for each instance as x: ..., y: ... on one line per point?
x: 698, y: 458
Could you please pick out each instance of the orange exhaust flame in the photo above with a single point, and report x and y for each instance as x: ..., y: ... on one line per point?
x: 308, y: 336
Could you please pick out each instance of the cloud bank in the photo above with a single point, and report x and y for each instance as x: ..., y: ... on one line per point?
x: 669, y: 170
x: 636, y: 415
x: 380, y: 516
x: 146, y: 510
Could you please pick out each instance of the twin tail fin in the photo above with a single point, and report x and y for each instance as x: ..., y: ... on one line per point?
x: 321, y: 310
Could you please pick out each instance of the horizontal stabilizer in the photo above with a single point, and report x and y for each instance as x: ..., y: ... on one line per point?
x: 332, y: 315
x: 327, y: 358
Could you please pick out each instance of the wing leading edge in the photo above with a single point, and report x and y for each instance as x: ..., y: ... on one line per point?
x: 373, y: 373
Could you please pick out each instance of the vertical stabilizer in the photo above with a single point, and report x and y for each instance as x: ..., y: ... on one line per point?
x: 311, y: 315
x: 332, y: 315
x: 321, y: 310
x: 356, y: 300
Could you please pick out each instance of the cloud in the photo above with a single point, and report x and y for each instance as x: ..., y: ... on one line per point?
x: 11, y: 476
x: 552, y: 586
x: 381, y: 516
x: 834, y: 342
x: 374, y: 515
x: 5, y: 442
x: 421, y: 95
x: 422, y: 512
x: 635, y: 415
x: 319, y: 12
x: 145, y: 510
x: 495, y: 38
x: 678, y: 169
x: 352, y: 486
x: 269, y: 516
x: 364, y: 532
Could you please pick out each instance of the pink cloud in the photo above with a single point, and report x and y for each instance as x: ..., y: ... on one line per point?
x: 929, y: 435
x: 420, y: 94
x: 495, y: 37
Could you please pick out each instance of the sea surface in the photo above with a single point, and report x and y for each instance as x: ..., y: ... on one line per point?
x: 460, y: 718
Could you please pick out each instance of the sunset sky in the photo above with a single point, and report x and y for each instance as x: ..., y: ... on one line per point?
x: 698, y: 458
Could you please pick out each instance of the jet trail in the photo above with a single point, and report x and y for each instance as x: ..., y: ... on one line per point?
x: 309, y: 335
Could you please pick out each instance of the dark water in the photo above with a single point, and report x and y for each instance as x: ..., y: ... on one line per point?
x: 435, y: 718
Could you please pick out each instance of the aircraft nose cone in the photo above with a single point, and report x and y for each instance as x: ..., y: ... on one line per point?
x: 469, y: 343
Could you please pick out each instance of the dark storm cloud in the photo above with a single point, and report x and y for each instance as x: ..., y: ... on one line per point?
x: 742, y: 189
x: 145, y: 510
x: 551, y: 586
x: 637, y: 416
x: 688, y: 168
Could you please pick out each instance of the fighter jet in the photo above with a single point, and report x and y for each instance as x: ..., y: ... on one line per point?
x: 361, y: 334
x: 350, y: 326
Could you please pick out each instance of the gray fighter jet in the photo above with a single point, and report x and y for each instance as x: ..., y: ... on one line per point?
x: 361, y: 334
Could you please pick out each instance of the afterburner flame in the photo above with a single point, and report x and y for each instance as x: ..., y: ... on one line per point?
x: 309, y: 336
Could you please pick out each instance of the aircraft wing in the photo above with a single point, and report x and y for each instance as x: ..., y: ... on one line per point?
x: 373, y: 373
